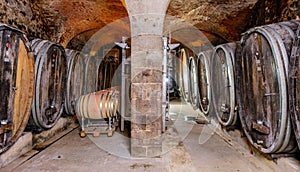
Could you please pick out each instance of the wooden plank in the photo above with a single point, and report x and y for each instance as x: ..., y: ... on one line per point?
x: 261, y: 128
x: 22, y: 159
x: 56, y: 137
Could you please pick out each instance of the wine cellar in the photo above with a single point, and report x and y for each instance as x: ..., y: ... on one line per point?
x: 137, y: 85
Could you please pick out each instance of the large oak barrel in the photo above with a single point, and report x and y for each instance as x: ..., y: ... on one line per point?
x: 99, y: 105
x: 92, y: 64
x: 107, y: 71
x: 294, y: 80
x: 79, y: 74
x: 223, y: 88
x: 193, y: 82
x: 17, y: 84
x: 204, y: 86
x: 50, y: 74
x: 99, y: 72
x: 74, y: 80
x: 262, y: 91
x: 184, y: 72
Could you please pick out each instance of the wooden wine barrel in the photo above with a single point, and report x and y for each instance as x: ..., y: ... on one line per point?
x: 193, y: 79
x: 204, y: 85
x: 99, y: 105
x: 74, y: 80
x: 184, y: 72
x: 294, y: 79
x: 106, y: 72
x: 50, y: 74
x: 99, y: 73
x: 79, y: 75
x: 92, y: 64
x: 262, y: 93
x: 223, y: 88
x: 17, y: 84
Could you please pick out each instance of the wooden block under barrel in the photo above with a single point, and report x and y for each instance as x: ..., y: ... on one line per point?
x: 96, y: 131
x: 261, y: 128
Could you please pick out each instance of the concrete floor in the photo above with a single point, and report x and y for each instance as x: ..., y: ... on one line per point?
x: 187, y: 146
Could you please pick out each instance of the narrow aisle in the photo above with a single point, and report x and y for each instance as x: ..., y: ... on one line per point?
x: 72, y: 153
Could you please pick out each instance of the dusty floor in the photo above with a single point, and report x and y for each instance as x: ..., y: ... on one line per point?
x: 187, y: 147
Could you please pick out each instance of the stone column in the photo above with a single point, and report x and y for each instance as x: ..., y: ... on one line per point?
x: 146, y: 21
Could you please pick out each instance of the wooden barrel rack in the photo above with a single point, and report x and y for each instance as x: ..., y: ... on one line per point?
x: 223, y: 87
x: 262, y: 88
x: 17, y: 84
x: 50, y: 74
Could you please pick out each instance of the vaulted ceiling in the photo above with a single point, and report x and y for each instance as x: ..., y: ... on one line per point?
x: 73, y: 22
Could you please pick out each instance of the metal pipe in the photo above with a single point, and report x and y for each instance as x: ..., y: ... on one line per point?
x: 124, y: 76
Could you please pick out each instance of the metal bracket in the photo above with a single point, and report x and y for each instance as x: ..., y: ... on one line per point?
x: 123, y: 43
x: 124, y: 76
x: 166, y: 70
x: 173, y: 46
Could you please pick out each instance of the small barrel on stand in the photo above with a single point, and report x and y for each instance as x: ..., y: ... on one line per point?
x: 102, y: 105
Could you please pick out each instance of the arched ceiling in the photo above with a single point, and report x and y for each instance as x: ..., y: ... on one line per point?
x: 220, y: 20
x: 82, y: 16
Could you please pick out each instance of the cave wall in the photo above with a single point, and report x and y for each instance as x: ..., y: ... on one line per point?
x: 227, y: 19
x: 36, y: 21
x: 64, y: 21
x: 60, y: 20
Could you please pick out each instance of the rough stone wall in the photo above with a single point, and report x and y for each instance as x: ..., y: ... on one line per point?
x: 87, y: 15
x: 36, y: 21
x: 62, y: 20
x: 290, y: 10
x: 226, y: 18
x: 59, y: 20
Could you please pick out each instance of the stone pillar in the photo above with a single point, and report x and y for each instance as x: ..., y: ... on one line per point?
x: 146, y: 21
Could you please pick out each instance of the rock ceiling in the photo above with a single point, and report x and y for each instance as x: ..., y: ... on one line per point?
x: 73, y: 22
